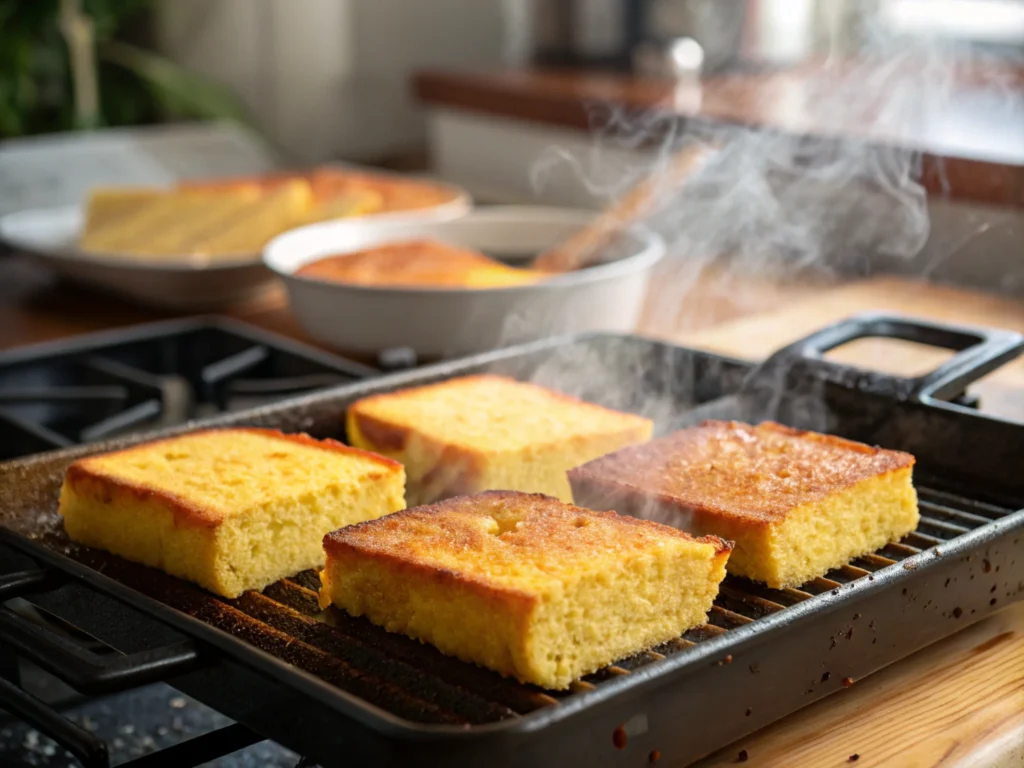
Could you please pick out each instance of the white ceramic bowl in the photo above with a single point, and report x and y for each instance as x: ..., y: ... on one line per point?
x: 50, y: 236
x: 447, y: 322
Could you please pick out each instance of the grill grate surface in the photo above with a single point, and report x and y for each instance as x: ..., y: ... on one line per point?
x: 416, y: 682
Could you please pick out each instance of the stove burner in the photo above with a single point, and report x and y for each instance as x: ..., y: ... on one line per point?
x: 151, y: 377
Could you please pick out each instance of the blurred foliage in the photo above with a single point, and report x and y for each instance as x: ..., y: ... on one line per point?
x: 135, y: 86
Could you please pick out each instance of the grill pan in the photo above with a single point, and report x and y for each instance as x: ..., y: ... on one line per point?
x: 344, y: 692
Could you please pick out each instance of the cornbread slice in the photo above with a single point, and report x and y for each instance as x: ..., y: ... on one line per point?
x: 205, y: 216
x: 108, y: 205
x: 418, y: 263
x: 796, y: 503
x: 396, y: 193
x: 344, y: 207
x: 249, y: 230
x: 202, y: 220
x: 486, y: 432
x: 126, y: 233
x: 231, y: 509
x: 524, y: 584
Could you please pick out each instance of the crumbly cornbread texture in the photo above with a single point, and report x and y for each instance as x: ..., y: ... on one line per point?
x: 231, y: 509
x: 796, y: 503
x: 524, y: 584
x: 488, y: 432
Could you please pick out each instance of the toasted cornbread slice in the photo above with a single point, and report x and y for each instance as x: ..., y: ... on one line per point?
x: 524, y: 584
x: 396, y: 193
x: 418, y: 263
x: 796, y: 503
x: 344, y: 207
x: 481, y: 433
x: 230, y: 509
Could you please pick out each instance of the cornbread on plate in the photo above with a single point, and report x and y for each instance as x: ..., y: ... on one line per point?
x: 797, y: 504
x: 524, y: 584
x: 396, y: 193
x: 486, y: 432
x: 230, y: 509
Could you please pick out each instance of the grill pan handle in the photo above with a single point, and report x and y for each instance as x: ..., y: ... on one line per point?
x: 978, y: 352
x: 82, y: 669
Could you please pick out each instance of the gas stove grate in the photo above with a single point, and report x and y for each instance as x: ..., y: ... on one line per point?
x: 150, y: 377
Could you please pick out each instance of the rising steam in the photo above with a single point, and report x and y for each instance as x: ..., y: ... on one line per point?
x: 844, y: 203
x: 841, y: 203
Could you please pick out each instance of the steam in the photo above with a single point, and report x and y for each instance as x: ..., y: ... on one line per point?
x: 769, y: 204
x: 773, y: 203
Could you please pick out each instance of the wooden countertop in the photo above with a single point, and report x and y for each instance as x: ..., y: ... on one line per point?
x: 969, y: 127
x: 959, y: 702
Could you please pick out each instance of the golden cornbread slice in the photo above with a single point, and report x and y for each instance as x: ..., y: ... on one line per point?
x: 480, y: 433
x: 524, y: 584
x: 125, y: 233
x: 346, y: 206
x: 108, y: 205
x: 420, y: 262
x: 797, y: 504
x: 250, y: 229
x: 230, y: 509
x: 201, y: 219
x: 161, y: 225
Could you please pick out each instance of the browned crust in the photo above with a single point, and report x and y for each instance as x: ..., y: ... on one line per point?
x: 758, y: 494
x: 419, y: 261
x: 388, y: 435
x: 422, y: 573
x: 327, y: 444
x: 86, y: 480
x: 383, y: 435
x: 370, y: 539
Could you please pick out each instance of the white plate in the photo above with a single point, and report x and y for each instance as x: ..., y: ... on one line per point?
x: 446, y: 322
x: 50, y: 236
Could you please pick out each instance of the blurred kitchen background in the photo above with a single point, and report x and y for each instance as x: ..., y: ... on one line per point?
x: 524, y: 100
x: 331, y: 78
x: 327, y: 79
x: 504, y: 97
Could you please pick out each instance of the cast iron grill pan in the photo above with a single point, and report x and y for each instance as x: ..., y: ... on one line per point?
x: 345, y: 692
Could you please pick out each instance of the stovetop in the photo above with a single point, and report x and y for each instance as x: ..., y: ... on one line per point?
x: 96, y: 386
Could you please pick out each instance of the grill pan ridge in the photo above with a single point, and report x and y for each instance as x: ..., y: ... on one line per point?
x: 344, y: 692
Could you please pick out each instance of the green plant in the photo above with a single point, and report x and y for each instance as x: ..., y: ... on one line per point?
x: 65, y: 65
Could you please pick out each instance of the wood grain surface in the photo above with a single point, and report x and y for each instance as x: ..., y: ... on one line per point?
x: 956, y: 704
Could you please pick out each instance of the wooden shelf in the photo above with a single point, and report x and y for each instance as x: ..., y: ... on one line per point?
x: 971, y: 134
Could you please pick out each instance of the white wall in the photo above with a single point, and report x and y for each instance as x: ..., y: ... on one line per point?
x: 330, y: 78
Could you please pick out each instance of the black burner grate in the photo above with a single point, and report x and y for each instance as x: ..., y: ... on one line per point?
x: 101, y: 386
